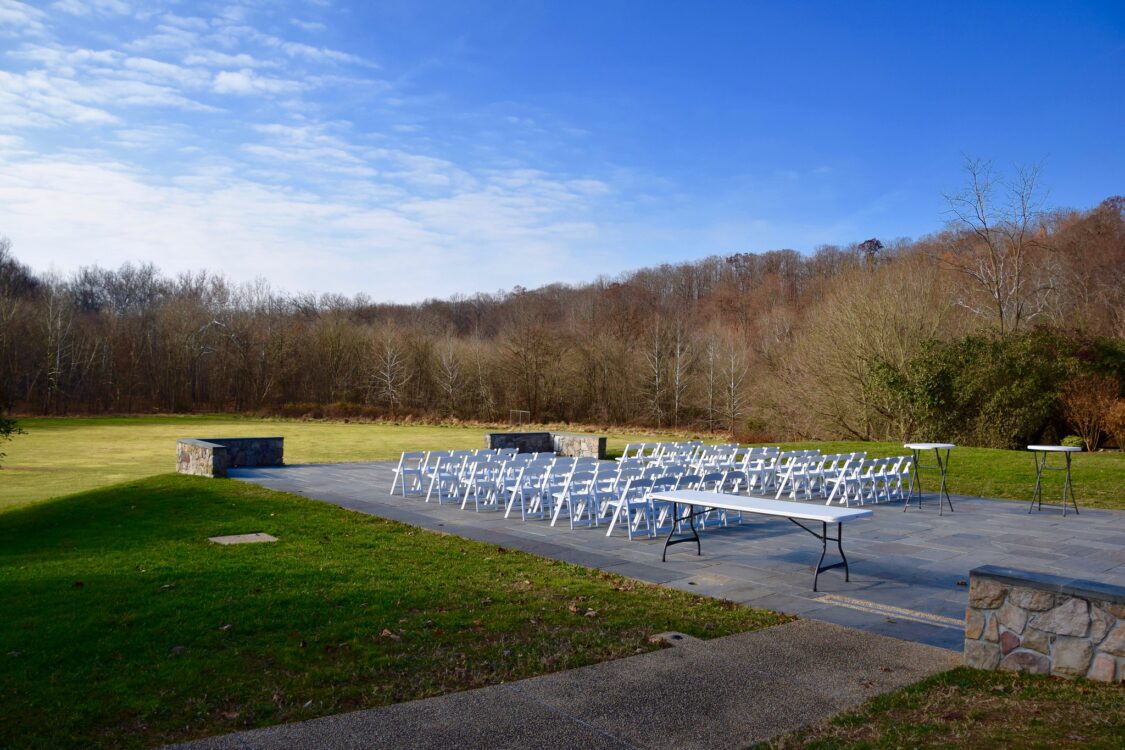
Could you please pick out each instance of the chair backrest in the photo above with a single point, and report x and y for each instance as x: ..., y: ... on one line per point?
x: 712, y: 481
x: 578, y: 481
x: 627, y: 473
x: 664, y: 484
x: 636, y: 488
x: 734, y: 481
x: 688, y: 482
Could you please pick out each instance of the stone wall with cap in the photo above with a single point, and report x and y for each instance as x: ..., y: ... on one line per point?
x: 560, y: 443
x: 574, y: 444
x: 1044, y: 624
x: 211, y: 457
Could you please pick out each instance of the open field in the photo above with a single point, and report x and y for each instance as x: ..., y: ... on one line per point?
x: 968, y: 709
x: 124, y: 627
x: 60, y: 456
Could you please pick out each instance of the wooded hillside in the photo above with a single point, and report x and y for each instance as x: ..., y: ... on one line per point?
x: 990, y: 332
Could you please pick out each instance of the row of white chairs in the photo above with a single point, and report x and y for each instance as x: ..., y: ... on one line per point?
x: 842, y: 477
x: 873, y: 480
x: 588, y: 492
x: 584, y: 491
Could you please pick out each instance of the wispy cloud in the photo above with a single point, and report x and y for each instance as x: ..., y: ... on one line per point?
x: 308, y: 25
x: 247, y: 82
x: 92, y: 7
x: 407, y: 249
x: 205, y: 141
x: 18, y: 18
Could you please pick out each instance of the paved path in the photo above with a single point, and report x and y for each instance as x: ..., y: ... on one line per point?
x: 722, y: 693
x: 905, y: 566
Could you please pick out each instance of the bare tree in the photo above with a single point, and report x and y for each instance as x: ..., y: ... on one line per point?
x: 680, y: 354
x: 711, y: 380
x: 390, y: 376
x: 734, y: 368
x: 57, y: 325
x: 656, y: 363
x: 999, y: 220
x: 449, y: 375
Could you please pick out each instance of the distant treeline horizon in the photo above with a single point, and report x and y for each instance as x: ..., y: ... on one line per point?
x: 976, y: 333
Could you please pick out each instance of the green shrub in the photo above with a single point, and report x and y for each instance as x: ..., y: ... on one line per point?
x: 1073, y: 441
x: 997, y: 391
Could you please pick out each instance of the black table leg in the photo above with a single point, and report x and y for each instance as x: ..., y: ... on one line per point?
x: 824, y: 540
x: 840, y: 547
x: 943, y: 467
x: 1069, y: 485
x: 676, y: 519
x: 1038, y: 493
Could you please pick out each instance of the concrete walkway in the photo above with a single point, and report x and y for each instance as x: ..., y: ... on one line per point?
x: 722, y: 693
x: 907, y: 568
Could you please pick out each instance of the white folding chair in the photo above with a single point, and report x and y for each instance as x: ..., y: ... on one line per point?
x: 631, y: 508
x: 408, y: 473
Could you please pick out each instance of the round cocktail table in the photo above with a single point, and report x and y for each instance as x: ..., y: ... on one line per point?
x: 942, y: 466
x: 1041, y: 452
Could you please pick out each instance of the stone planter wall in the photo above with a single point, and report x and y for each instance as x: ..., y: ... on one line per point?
x: 570, y: 444
x: 524, y: 442
x: 1032, y: 622
x: 562, y: 443
x: 211, y: 457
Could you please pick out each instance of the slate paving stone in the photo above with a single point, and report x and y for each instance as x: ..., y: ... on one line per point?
x: 906, y: 559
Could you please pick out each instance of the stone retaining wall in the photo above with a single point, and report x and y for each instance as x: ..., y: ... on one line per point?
x: 561, y: 443
x: 1043, y: 624
x: 211, y: 457
x: 571, y: 444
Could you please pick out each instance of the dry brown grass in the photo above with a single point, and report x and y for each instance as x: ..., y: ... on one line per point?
x: 968, y: 708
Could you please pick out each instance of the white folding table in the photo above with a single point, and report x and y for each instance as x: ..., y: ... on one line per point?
x: 1041, y: 452
x: 763, y: 506
x: 942, y: 466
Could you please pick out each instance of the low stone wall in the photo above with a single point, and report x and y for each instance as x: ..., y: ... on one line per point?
x: 211, y: 457
x: 524, y: 442
x: 561, y: 443
x: 1043, y: 624
x: 571, y: 444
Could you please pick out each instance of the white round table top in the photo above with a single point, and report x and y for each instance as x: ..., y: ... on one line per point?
x: 928, y: 446
x: 1055, y: 448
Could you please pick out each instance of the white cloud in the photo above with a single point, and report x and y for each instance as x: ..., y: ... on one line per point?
x: 213, y: 59
x: 246, y: 82
x: 307, y: 25
x: 21, y: 18
x: 36, y: 100
x: 272, y: 188
x: 89, y: 7
x: 106, y: 212
x: 186, y: 22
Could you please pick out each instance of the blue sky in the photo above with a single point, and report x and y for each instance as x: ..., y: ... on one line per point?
x: 413, y: 149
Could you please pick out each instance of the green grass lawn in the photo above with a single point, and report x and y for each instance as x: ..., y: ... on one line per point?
x: 124, y: 627
x: 59, y: 456
x: 969, y: 709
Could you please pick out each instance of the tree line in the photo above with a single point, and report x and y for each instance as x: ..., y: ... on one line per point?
x: 989, y: 331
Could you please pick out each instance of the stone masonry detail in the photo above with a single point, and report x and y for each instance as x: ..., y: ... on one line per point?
x: 211, y: 457
x: 1031, y: 622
